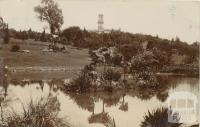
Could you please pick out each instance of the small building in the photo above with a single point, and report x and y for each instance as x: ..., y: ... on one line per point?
x: 182, y: 107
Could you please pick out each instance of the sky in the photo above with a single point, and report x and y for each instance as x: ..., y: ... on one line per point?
x: 165, y: 18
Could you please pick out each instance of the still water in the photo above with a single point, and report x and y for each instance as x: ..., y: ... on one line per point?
x: 126, y: 108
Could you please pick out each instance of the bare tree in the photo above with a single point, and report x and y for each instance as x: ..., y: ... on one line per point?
x: 49, y: 12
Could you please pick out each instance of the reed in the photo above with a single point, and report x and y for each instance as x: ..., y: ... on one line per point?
x: 43, y: 113
x: 157, y: 118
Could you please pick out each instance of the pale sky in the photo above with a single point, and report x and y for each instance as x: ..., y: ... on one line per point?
x: 164, y: 18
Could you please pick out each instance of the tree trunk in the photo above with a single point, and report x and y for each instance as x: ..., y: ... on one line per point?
x: 103, y: 106
x: 52, y: 29
x: 1, y: 112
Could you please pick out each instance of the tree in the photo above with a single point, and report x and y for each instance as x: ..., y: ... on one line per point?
x: 6, y: 38
x: 74, y: 34
x: 1, y: 22
x: 4, y: 27
x: 43, y: 36
x: 142, y: 69
x: 129, y: 50
x: 48, y: 11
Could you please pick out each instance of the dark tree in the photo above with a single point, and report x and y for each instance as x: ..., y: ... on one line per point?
x: 43, y: 36
x: 6, y: 38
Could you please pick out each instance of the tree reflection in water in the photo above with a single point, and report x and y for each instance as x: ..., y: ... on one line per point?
x: 124, y: 105
x: 109, y: 98
x: 4, y: 100
x: 85, y: 101
x: 102, y: 118
x: 118, y: 98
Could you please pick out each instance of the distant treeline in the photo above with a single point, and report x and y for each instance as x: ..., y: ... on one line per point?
x: 30, y: 34
x: 129, y: 44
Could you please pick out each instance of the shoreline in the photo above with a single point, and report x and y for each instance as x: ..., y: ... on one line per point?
x: 44, y: 68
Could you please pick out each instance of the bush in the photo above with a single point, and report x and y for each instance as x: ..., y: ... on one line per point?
x: 81, y: 84
x: 111, y: 75
x: 146, y: 78
x: 116, y: 60
x: 43, y: 113
x: 15, y: 48
x: 157, y: 118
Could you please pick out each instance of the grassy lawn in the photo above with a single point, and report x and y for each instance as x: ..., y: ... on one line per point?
x: 43, y: 75
x: 74, y: 57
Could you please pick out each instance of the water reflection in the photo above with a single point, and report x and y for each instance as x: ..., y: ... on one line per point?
x: 84, y: 101
x: 118, y: 108
x: 123, y: 105
x: 102, y: 118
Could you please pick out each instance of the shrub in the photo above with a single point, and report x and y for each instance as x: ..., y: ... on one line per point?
x: 146, y: 78
x: 81, y: 84
x: 43, y: 113
x: 116, y: 60
x: 157, y: 118
x: 15, y: 48
x: 112, y: 75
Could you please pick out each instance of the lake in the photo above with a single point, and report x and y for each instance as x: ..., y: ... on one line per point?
x: 126, y: 108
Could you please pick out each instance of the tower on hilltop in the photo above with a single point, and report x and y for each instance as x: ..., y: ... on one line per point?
x: 100, y: 23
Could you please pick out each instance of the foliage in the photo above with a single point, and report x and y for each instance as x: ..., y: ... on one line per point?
x: 146, y: 78
x: 48, y: 11
x: 157, y: 118
x: 130, y: 45
x: 21, y: 35
x: 56, y: 48
x: 129, y: 50
x: 1, y: 22
x: 85, y: 80
x: 141, y: 69
x: 161, y: 57
x: 116, y: 60
x: 143, y: 61
x: 73, y: 34
x: 43, y: 113
x: 6, y: 38
x: 15, y: 48
x: 108, y: 58
x: 111, y: 75
x: 43, y: 36
x: 4, y: 31
x: 81, y: 84
x: 30, y: 34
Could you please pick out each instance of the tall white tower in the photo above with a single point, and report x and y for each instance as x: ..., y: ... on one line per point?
x: 100, y: 23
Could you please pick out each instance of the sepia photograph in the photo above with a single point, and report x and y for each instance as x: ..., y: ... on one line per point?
x: 99, y: 63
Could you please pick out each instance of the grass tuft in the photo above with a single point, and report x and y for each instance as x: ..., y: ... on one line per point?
x: 43, y: 113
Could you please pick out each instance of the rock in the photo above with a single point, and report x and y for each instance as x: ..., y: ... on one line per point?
x: 67, y: 81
